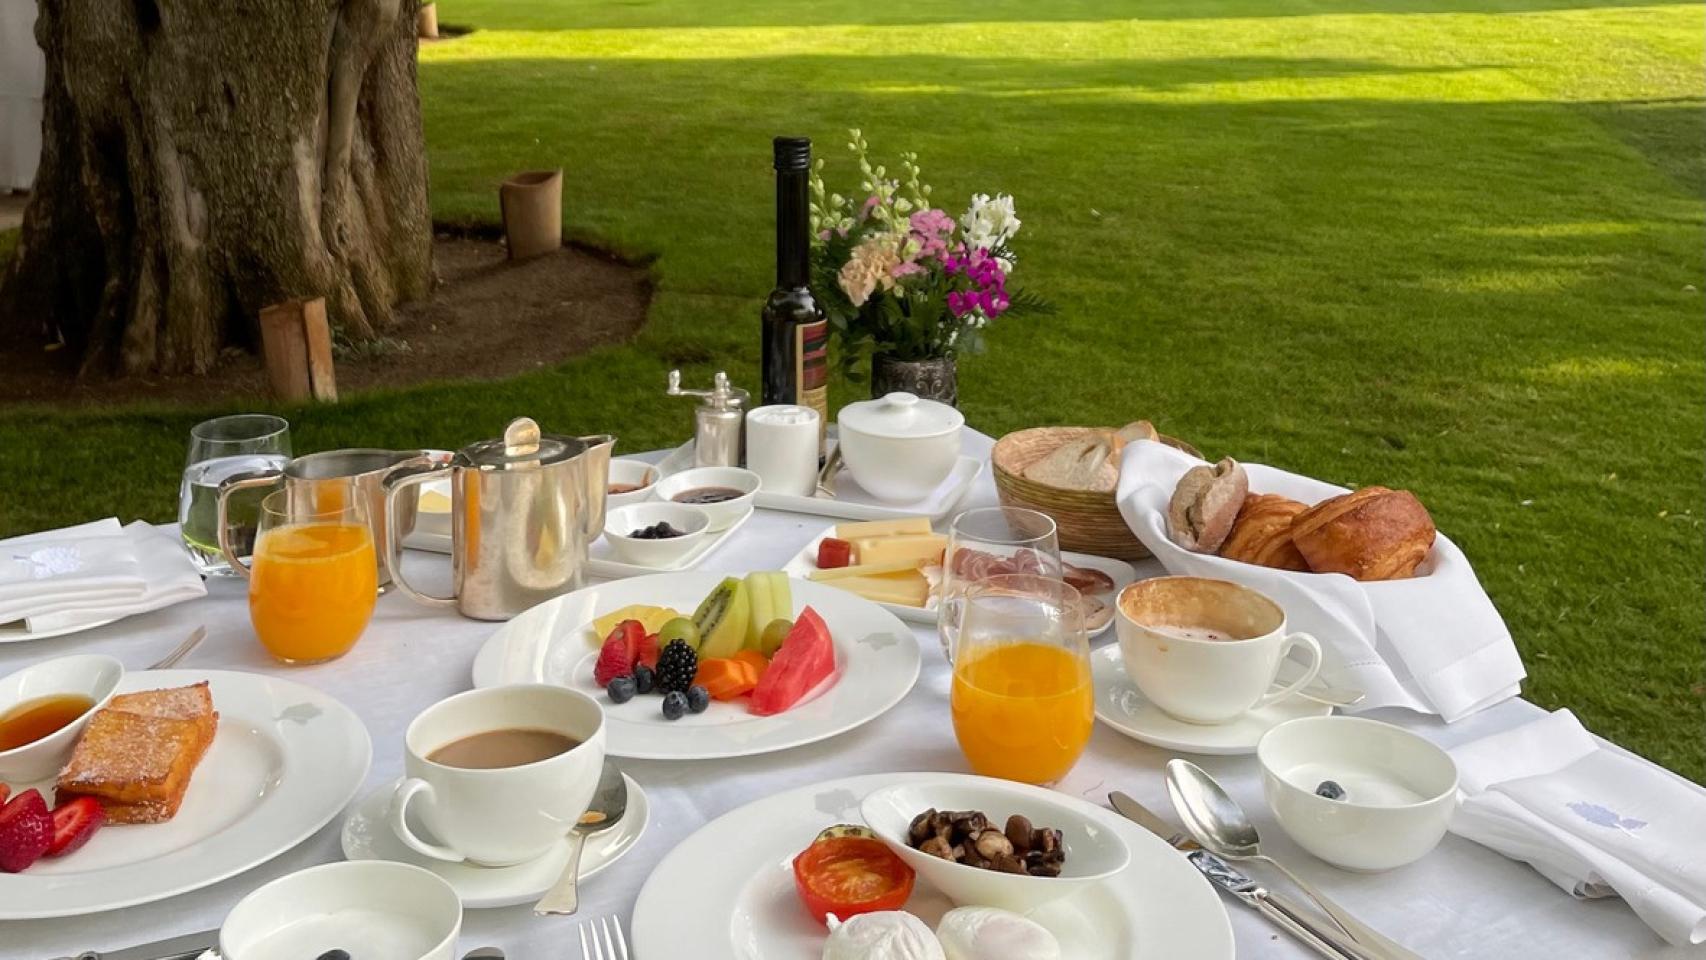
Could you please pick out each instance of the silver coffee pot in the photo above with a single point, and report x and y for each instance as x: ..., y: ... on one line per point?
x: 523, y: 510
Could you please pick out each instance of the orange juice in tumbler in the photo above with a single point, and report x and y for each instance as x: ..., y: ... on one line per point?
x: 312, y: 589
x: 1022, y: 711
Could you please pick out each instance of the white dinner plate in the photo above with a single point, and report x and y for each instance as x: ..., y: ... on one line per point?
x: 1120, y: 705
x: 1121, y: 573
x: 285, y: 761
x: 367, y: 835
x: 727, y: 891
x: 851, y: 502
x: 876, y: 664
x: 17, y: 634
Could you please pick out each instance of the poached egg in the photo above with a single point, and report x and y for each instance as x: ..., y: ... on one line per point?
x: 987, y: 933
x: 885, y: 935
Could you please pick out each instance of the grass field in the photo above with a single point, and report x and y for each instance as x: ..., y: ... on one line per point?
x: 1449, y: 245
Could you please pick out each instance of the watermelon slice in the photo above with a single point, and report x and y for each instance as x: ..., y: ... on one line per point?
x: 806, y: 659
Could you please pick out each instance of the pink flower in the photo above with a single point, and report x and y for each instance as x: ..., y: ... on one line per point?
x: 931, y: 229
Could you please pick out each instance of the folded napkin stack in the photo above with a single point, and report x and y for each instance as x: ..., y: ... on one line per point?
x: 1593, y: 819
x: 63, y: 579
x: 1432, y: 643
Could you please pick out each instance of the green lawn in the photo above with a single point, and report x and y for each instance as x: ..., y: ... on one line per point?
x: 1450, y: 245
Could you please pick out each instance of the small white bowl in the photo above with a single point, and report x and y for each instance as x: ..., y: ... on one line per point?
x: 1094, y: 851
x: 1400, y: 790
x: 631, y: 471
x: 900, y: 448
x: 366, y: 907
x: 91, y: 675
x: 693, y: 522
x: 722, y: 514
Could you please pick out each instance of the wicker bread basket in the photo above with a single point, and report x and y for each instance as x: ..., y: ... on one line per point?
x: 1089, y: 521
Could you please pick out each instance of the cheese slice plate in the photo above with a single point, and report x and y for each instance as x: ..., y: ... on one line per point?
x: 1099, y: 578
x: 851, y: 502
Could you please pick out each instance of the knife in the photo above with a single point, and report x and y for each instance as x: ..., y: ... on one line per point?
x: 186, y: 947
x: 1279, y: 910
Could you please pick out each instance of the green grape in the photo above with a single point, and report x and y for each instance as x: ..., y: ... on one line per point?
x: 680, y: 628
x: 774, y: 633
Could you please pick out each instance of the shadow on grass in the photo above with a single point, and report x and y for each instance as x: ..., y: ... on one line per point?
x: 783, y: 14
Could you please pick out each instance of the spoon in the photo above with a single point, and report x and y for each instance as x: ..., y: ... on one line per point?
x: 825, y: 476
x: 609, y: 803
x: 1221, y: 826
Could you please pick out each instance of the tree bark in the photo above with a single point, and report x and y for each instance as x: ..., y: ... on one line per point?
x: 202, y: 159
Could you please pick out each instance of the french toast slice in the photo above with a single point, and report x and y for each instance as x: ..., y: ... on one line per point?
x: 130, y: 758
x: 193, y: 702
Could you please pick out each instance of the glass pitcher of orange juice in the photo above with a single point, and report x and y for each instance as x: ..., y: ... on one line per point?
x: 313, y: 578
x: 1021, y: 700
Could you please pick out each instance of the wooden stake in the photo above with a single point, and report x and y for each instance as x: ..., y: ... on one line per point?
x: 296, y: 346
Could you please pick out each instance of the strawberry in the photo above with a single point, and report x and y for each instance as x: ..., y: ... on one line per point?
x: 74, y: 823
x: 615, y: 658
x: 646, y: 651
x: 5, y: 792
x: 26, y: 829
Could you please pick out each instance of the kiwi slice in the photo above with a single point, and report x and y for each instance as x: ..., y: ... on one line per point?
x: 721, y: 619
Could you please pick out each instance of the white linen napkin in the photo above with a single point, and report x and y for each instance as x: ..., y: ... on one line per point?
x: 89, y: 573
x: 1433, y: 643
x: 1593, y: 819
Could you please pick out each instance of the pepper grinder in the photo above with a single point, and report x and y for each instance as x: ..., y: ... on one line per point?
x: 718, y: 422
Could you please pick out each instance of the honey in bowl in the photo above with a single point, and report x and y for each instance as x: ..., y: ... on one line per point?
x: 44, y: 716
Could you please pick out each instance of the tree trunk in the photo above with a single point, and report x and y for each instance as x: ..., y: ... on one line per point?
x: 202, y: 159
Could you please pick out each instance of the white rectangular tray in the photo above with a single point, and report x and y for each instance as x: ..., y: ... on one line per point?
x: 850, y: 501
x: 804, y: 565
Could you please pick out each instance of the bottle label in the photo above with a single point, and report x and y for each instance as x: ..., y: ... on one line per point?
x: 811, y: 371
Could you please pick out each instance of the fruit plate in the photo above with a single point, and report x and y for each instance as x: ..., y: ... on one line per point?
x: 727, y: 891
x: 1118, y: 572
x: 877, y: 662
x: 851, y: 502
x: 287, y: 758
x: 601, y: 562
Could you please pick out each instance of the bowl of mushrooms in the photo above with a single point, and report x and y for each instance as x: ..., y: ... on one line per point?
x: 993, y: 843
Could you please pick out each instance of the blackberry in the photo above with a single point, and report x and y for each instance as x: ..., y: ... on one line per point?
x: 674, y: 705
x: 676, y: 666
x: 1331, y: 790
x: 644, y: 678
x: 698, y: 699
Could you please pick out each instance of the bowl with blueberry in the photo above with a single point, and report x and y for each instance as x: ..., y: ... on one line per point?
x: 1360, y: 794
x: 655, y: 534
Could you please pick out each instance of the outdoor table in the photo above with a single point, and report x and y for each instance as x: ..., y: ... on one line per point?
x: 1460, y: 901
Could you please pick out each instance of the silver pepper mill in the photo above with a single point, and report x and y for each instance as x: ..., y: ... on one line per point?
x: 719, y: 422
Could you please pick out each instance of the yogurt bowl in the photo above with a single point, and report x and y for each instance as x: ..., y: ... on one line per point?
x: 91, y: 677
x: 900, y: 448
x: 372, y: 909
x: 1398, y: 790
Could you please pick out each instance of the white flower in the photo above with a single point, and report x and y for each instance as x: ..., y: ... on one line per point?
x: 989, y: 223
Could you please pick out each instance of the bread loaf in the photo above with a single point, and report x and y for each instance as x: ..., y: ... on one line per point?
x: 1204, y: 504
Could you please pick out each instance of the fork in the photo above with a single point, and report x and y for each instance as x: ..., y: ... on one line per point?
x: 194, y: 640
x: 611, y: 948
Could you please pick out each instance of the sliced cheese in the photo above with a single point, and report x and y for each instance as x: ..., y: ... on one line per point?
x: 917, y: 548
x: 902, y: 589
x: 865, y: 570
x: 883, y: 528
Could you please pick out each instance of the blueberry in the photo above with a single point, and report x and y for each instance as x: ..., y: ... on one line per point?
x: 644, y: 678
x: 334, y: 955
x: 698, y: 698
x: 621, y: 689
x: 674, y: 705
x: 1331, y: 790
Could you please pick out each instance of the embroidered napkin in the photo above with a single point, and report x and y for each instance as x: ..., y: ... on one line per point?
x: 1594, y: 820
x: 92, y: 572
x: 1432, y: 643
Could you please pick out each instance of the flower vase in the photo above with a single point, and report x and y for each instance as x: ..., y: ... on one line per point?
x: 934, y: 379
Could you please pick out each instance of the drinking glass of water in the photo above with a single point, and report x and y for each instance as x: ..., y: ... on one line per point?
x: 222, y: 449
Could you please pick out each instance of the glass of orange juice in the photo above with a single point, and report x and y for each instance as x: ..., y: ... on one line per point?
x: 313, y: 578
x: 1021, y: 699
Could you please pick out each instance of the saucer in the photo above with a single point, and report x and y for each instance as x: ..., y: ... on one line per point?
x: 367, y: 836
x: 1120, y: 705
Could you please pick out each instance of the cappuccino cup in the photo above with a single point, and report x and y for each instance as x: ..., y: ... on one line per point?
x: 498, y: 776
x: 1207, y: 651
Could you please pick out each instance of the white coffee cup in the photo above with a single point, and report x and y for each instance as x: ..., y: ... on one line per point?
x: 501, y: 815
x: 1207, y: 651
x: 782, y: 442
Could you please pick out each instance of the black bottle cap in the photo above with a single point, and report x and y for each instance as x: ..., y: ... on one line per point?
x: 793, y: 153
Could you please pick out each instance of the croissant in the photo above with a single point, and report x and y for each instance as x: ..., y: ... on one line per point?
x: 1370, y: 534
x: 1262, y: 533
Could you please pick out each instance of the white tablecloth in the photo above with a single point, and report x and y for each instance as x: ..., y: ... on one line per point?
x: 1461, y: 901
